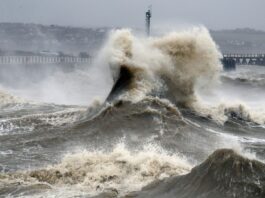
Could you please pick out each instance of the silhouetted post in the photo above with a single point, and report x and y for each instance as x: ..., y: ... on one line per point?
x: 148, y: 16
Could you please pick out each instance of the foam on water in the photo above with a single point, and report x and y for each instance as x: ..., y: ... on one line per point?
x: 95, y: 171
x: 224, y: 110
x: 6, y: 98
x: 27, y: 124
x: 178, y: 64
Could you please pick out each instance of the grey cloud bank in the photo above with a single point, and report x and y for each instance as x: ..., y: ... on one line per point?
x: 221, y: 14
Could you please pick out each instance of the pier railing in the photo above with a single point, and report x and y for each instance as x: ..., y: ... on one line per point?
x: 229, y: 60
x: 246, y: 59
x: 6, y: 60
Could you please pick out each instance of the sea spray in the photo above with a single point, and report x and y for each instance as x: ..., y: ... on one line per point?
x: 95, y: 171
x: 184, y: 58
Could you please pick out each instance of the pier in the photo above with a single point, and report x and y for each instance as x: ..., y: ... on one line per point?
x: 246, y: 59
x: 231, y: 60
x: 35, y: 60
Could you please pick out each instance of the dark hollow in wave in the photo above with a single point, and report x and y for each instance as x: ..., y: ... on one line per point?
x: 123, y: 82
x: 224, y: 174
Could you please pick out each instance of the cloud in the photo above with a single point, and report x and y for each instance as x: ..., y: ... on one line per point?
x: 212, y: 13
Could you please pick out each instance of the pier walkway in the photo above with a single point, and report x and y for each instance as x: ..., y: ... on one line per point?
x: 25, y: 60
x: 246, y: 59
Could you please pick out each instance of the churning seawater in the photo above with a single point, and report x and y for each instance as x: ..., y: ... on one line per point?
x: 151, y: 117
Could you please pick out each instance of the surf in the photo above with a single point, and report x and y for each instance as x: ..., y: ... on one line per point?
x: 170, y: 135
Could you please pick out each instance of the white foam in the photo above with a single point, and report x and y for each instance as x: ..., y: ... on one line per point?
x: 220, y: 112
x: 121, y: 169
x: 186, y: 58
x: 7, y: 98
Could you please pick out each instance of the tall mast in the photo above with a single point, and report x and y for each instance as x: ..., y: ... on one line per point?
x: 148, y: 16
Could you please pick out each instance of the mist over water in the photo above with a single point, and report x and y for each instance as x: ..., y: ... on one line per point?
x: 54, y: 84
x: 149, y: 117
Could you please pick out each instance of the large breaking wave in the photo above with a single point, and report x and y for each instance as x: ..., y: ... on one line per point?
x: 174, y: 67
x: 154, y: 100
x: 178, y: 62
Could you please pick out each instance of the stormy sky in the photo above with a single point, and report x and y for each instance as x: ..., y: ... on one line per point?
x: 214, y: 14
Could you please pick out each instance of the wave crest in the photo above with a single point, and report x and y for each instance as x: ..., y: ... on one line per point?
x: 97, y: 171
x: 179, y: 61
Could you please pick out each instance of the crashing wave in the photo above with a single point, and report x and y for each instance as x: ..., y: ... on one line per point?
x: 154, y: 80
x: 225, y: 174
x: 171, y: 67
x: 255, y: 82
x: 175, y: 63
x: 228, y: 111
x: 6, y: 99
x: 96, y: 171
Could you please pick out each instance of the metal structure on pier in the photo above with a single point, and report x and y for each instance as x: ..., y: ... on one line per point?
x: 39, y: 60
x: 231, y: 60
x: 148, y: 16
x: 246, y: 59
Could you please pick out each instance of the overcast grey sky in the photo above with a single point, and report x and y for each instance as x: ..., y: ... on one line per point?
x: 214, y: 14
